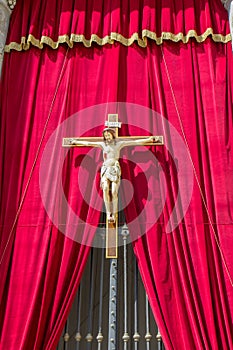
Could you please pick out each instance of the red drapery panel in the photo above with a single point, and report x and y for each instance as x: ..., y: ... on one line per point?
x: 46, y: 264
x: 188, y: 272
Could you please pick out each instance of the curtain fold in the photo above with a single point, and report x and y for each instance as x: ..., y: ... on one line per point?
x: 51, y: 201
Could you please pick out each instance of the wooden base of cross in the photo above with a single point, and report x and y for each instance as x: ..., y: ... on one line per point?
x: 112, y: 239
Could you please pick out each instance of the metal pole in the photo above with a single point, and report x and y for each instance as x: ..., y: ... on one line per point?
x: 159, y: 340
x: 99, y: 337
x: 125, y: 233
x: 66, y: 336
x: 78, y: 336
x: 89, y: 336
x: 148, y: 336
x: 112, y: 326
x: 136, y: 336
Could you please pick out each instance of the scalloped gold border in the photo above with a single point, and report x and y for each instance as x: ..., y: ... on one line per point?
x: 109, y: 39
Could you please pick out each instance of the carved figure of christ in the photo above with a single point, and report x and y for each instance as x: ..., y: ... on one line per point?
x: 111, y: 146
x: 110, y: 169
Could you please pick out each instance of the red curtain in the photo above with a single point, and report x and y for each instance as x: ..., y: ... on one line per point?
x: 72, y: 21
x: 188, y: 272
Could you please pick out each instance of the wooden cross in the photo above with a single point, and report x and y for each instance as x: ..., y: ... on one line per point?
x: 113, y: 123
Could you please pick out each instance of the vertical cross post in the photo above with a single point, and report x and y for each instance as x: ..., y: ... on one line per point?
x: 112, y: 227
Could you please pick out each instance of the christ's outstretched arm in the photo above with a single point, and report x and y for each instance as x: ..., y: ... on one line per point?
x: 138, y: 142
x: 77, y: 142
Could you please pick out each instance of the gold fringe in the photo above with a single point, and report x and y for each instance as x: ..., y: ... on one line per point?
x: 110, y: 39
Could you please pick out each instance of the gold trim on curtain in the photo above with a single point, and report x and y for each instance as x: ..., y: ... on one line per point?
x: 109, y: 39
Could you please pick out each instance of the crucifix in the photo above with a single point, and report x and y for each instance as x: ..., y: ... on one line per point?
x: 111, y: 145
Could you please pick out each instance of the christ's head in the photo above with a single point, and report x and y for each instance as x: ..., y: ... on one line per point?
x: 109, y: 135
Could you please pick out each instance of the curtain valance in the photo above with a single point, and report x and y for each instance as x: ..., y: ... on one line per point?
x: 104, y: 22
